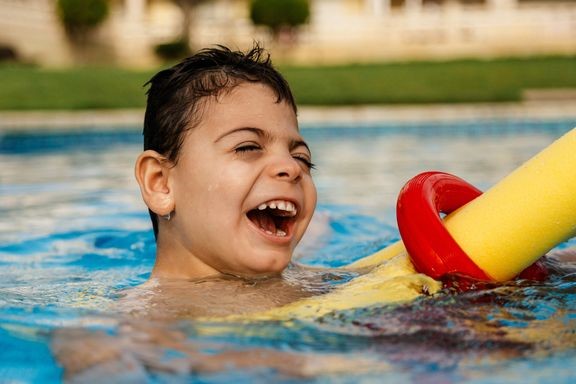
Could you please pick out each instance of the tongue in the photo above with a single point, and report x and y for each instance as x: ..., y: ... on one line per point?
x: 263, y: 220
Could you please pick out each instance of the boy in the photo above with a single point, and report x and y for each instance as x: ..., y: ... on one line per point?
x: 226, y: 177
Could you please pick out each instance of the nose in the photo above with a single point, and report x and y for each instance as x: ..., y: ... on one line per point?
x: 285, y: 168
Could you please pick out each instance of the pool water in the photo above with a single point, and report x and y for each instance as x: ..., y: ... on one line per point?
x: 74, y: 233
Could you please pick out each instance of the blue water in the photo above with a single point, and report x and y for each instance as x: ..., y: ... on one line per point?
x: 73, y: 233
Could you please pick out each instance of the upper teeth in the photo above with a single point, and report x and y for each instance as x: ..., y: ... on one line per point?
x: 282, y: 205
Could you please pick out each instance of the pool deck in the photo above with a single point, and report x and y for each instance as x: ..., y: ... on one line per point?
x: 11, y: 121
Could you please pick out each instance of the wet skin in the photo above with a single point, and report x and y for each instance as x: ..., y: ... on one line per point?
x: 245, y: 154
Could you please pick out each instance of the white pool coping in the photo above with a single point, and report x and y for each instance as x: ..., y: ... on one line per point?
x: 131, y: 119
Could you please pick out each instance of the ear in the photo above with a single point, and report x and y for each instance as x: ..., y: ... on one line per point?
x: 152, y: 173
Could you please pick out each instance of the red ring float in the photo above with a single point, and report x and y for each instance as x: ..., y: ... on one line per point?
x: 432, y: 249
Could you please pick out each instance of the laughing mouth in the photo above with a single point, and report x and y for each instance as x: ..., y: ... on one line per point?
x: 275, y: 217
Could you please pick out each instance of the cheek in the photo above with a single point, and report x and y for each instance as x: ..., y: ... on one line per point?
x: 314, y: 193
x: 311, y: 199
x: 224, y: 190
x: 311, y: 196
x: 195, y: 193
x: 310, y: 206
x: 236, y: 177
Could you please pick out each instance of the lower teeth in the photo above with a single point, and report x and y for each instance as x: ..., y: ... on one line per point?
x: 279, y: 233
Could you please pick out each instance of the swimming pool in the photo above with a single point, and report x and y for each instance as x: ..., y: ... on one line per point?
x: 74, y: 232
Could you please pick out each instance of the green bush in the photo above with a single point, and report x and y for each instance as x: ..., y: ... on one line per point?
x: 172, y: 50
x: 81, y: 15
x: 278, y: 14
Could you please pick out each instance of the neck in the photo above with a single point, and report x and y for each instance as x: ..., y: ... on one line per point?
x: 174, y: 262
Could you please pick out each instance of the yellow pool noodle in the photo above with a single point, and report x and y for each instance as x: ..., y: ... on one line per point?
x: 522, y: 217
x: 394, y: 280
x: 518, y: 220
x: 503, y: 231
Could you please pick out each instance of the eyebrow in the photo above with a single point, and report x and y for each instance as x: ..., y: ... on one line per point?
x: 299, y: 143
x: 294, y: 143
x: 257, y: 131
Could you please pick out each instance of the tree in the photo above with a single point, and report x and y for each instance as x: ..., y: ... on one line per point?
x: 187, y: 7
x: 80, y: 16
x: 180, y: 47
x: 280, y: 15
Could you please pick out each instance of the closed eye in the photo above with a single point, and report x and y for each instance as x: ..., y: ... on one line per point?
x: 305, y: 161
x: 247, y: 148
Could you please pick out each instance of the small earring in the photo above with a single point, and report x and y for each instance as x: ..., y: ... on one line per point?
x: 167, y: 217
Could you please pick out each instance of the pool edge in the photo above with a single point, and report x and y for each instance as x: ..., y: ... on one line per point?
x: 132, y: 119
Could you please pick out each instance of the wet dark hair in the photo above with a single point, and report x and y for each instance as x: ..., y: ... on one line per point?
x: 176, y: 95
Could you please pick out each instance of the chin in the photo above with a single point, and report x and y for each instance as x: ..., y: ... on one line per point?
x: 268, y: 265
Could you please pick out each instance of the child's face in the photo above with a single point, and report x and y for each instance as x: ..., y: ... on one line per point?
x: 245, y: 157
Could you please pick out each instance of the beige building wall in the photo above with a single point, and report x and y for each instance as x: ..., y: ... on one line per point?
x: 126, y: 37
x: 342, y: 31
x: 31, y: 27
x: 368, y: 30
x: 339, y: 31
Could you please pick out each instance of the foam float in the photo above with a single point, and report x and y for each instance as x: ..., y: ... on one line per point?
x: 489, y: 236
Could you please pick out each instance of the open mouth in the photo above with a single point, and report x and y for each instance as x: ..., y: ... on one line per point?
x: 275, y: 217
